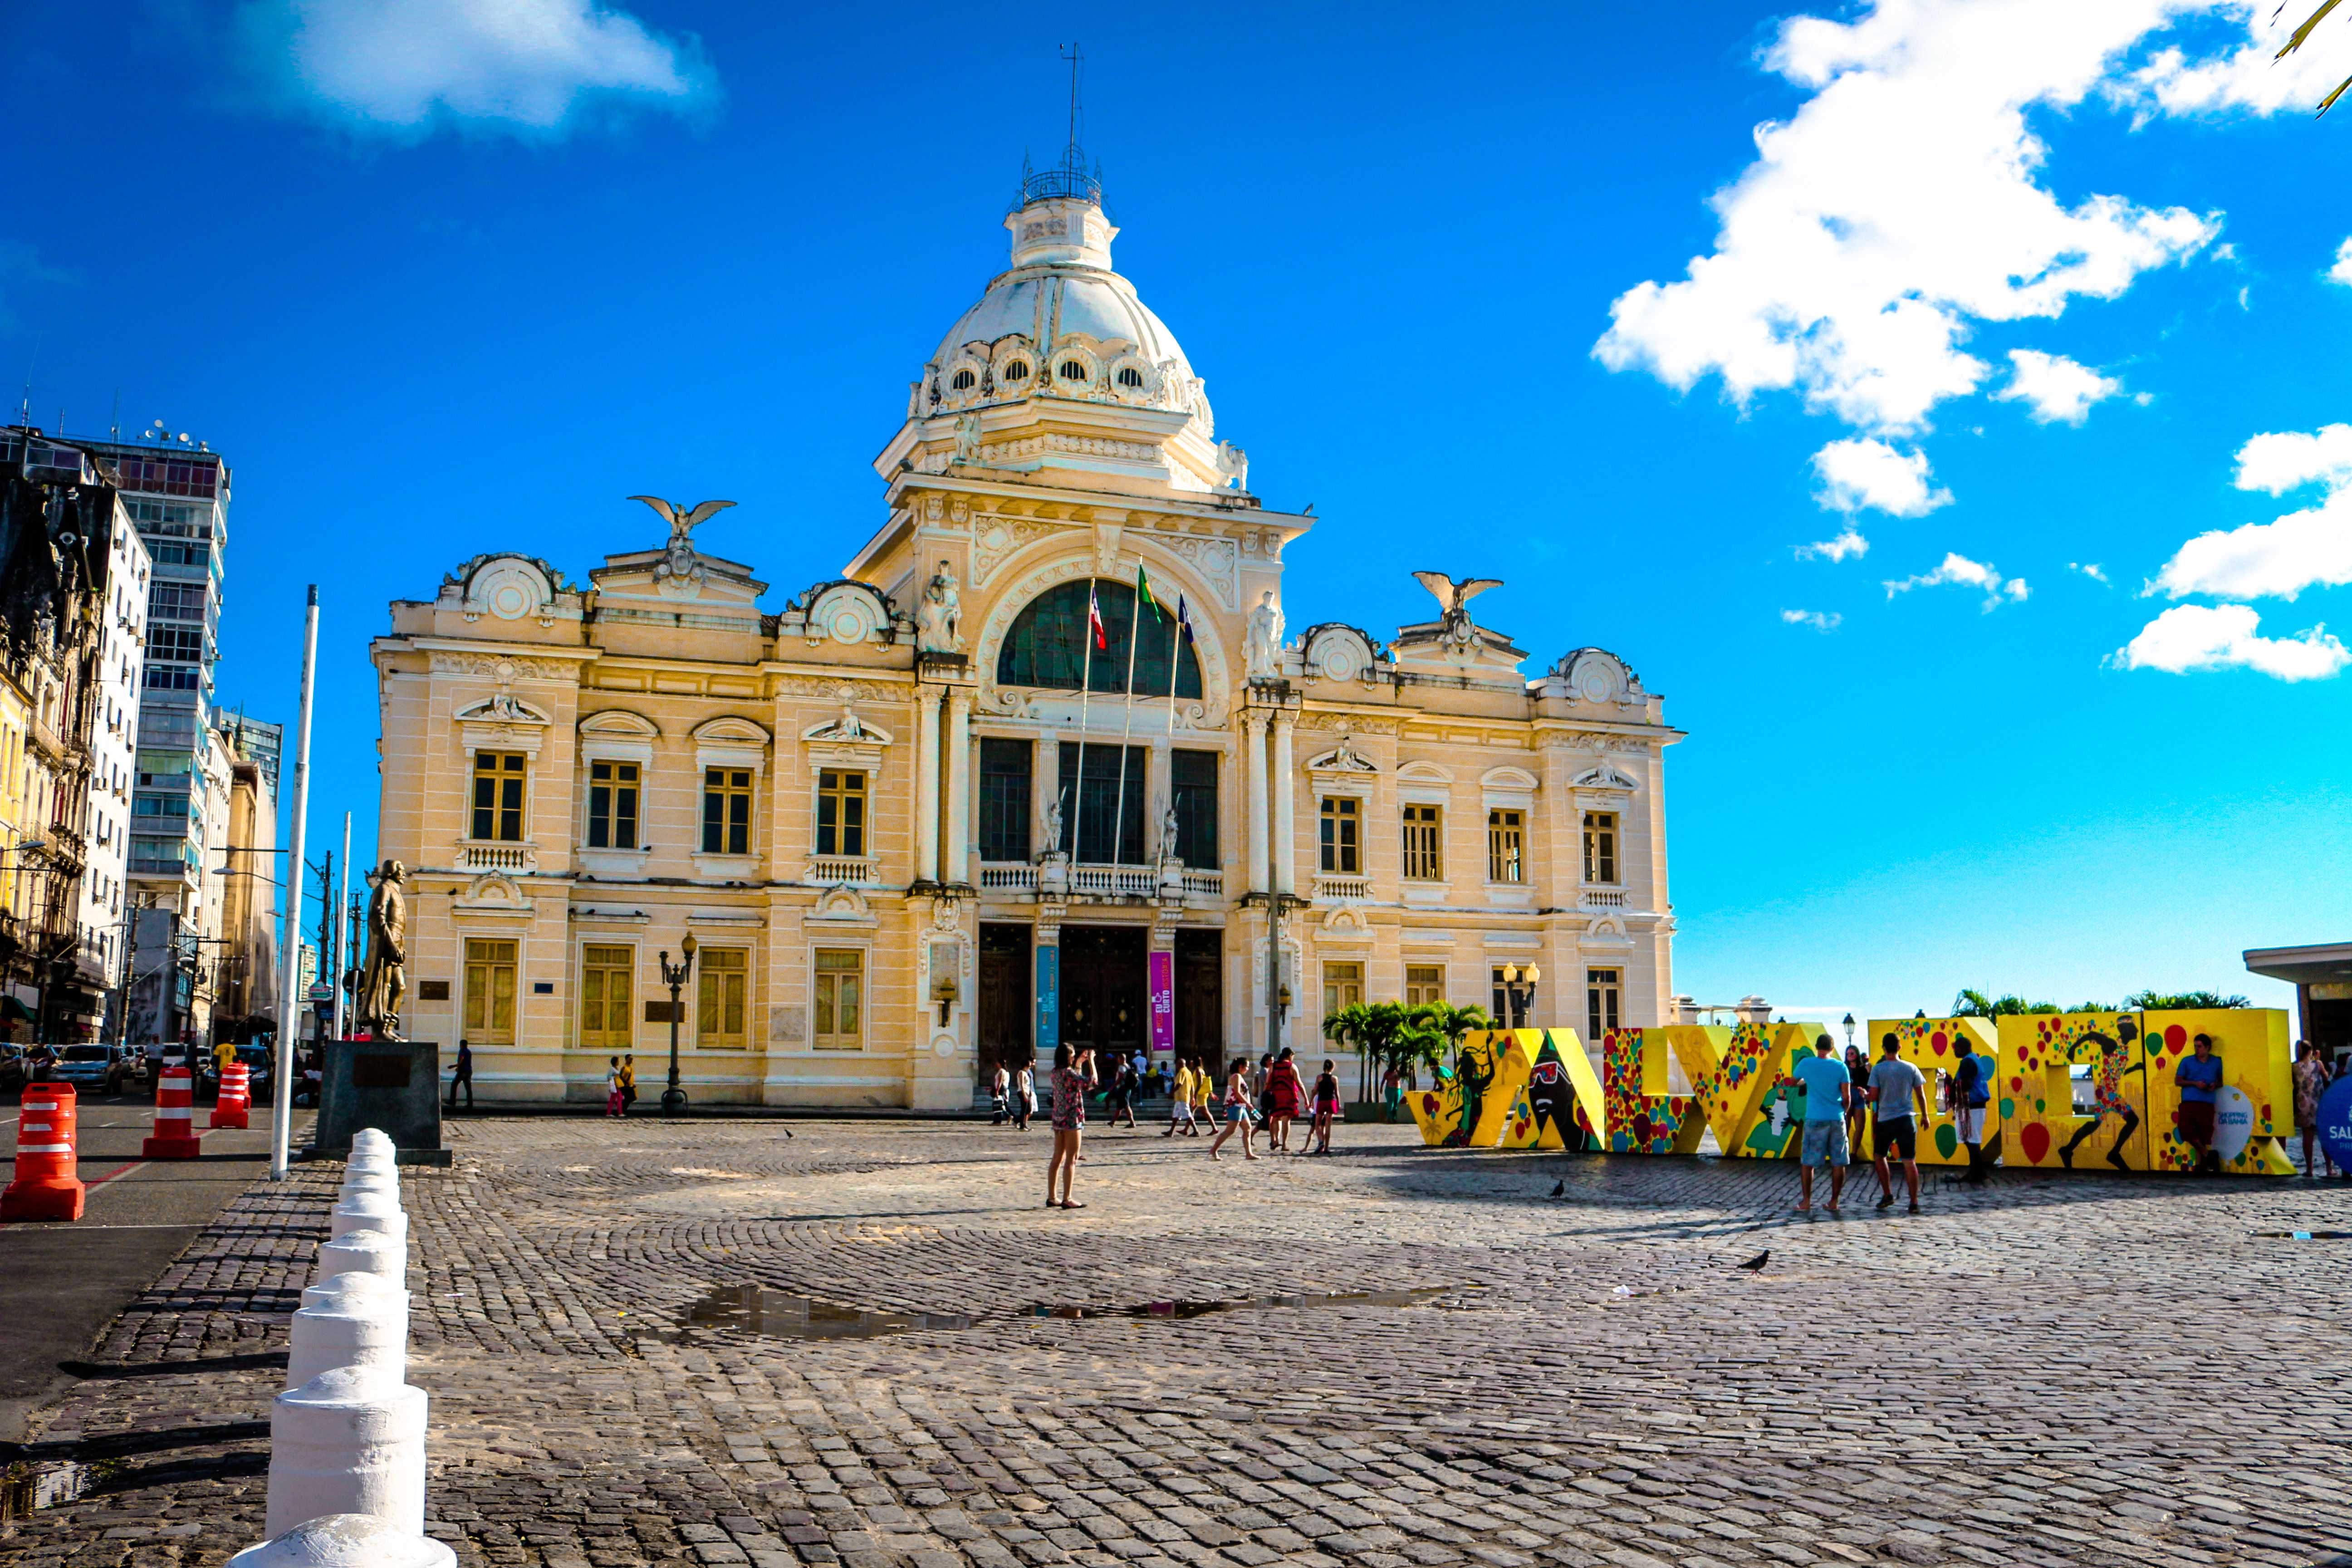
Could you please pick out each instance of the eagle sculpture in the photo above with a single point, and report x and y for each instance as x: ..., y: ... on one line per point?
x: 1452, y: 599
x: 681, y: 521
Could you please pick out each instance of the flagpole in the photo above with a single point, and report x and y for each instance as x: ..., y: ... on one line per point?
x: 1127, y: 729
x: 1086, y: 695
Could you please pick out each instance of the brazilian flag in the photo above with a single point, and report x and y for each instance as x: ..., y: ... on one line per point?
x: 1144, y: 593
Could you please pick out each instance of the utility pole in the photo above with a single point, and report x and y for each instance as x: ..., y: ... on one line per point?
x: 343, y: 958
x: 330, y: 934
x: 282, y: 1097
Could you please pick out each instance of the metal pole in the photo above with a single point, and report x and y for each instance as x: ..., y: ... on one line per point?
x: 342, y: 929
x: 282, y: 1097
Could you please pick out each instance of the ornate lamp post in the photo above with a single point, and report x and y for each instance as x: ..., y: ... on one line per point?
x: 673, y: 1099
x: 1519, y: 993
x: 1849, y: 1031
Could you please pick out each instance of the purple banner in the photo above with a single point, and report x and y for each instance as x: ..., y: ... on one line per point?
x: 1163, y: 1000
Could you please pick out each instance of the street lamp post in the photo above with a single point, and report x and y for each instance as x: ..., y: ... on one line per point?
x: 1849, y: 1031
x: 1519, y: 993
x: 673, y: 1099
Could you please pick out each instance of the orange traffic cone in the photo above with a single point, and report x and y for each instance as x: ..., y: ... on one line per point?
x: 175, y: 1135
x: 46, y: 1186
x: 236, y: 1096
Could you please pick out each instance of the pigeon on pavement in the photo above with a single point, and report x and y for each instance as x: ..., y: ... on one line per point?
x: 1757, y: 1262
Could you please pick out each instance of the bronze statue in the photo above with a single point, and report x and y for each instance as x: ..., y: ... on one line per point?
x: 385, y: 979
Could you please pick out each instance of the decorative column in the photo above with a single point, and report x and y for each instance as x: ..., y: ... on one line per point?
x: 1286, y: 798
x: 955, y: 865
x: 927, y: 784
x: 1253, y: 762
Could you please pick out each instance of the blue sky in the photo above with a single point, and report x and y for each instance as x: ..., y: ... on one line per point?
x: 441, y: 277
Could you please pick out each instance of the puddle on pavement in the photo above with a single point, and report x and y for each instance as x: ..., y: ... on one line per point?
x: 1202, y: 1309
x: 782, y: 1314
x: 2303, y: 1235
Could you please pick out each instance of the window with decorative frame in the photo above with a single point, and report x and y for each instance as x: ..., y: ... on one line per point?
x: 499, y: 782
x: 490, y: 991
x: 1342, y: 836
x: 840, y: 997
x: 1505, y: 845
x: 1424, y: 984
x: 1424, y: 844
x: 1601, y: 994
x: 719, y: 999
x: 1601, y: 846
x: 1343, y: 986
x: 607, y: 992
x: 612, y: 805
x: 840, y: 812
x: 726, y: 811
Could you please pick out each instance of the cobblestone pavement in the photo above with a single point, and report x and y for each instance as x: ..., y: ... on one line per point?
x: 2061, y: 1368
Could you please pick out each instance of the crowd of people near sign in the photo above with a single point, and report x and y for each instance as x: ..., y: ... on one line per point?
x: 1843, y: 1100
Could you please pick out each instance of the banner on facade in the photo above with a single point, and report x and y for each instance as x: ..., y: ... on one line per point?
x: 1163, y: 1000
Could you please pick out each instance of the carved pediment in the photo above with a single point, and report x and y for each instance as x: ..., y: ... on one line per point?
x: 1342, y: 758
x: 847, y: 730
x: 502, y: 708
x: 1606, y: 777
x: 620, y: 721
x: 730, y: 730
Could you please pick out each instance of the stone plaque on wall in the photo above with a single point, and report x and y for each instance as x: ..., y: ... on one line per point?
x: 433, y: 991
x: 789, y: 1025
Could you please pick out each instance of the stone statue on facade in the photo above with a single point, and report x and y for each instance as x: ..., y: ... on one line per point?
x: 1263, y: 653
x: 1167, y: 829
x: 939, y: 619
x: 967, y: 438
x: 1052, y: 825
x: 384, y: 982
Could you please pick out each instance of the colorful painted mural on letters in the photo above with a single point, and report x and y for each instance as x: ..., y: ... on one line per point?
x: 2256, y: 1106
x: 2054, y: 1118
x: 1932, y: 1045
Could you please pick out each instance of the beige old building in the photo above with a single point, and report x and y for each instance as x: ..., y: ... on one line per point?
x: 975, y: 794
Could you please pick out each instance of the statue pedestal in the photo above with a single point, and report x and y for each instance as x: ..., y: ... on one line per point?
x: 393, y: 1086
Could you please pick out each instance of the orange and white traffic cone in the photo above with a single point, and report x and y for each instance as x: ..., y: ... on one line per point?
x: 236, y: 1096
x: 176, y: 1134
x: 46, y: 1186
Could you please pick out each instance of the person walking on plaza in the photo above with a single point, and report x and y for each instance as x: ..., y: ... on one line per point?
x: 1025, y: 1097
x: 628, y: 1081
x: 1237, y: 1109
x: 1857, y: 1070
x: 1895, y: 1088
x: 1826, y: 1086
x: 463, y: 1074
x: 1971, y: 1092
x: 2199, y: 1079
x: 614, y: 1104
x: 1179, y: 1104
x: 2310, y: 1081
x: 1286, y: 1093
x: 1073, y: 1076
x: 1392, y: 1090
x: 1204, y: 1090
x: 1327, y: 1107
x: 1000, y: 1086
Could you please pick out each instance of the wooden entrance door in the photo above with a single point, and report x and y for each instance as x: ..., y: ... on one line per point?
x: 1200, y: 998
x: 1004, y: 971
x: 1104, y: 988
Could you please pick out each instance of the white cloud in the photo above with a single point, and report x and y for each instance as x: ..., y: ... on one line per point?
x: 1900, y: 205
x: 2089, y: 569
x: 2060, y: 390
x: 1819, y: 620
x: 1846, y: 543
x: 527, y: 67
x: 2246, y: 78
x: 1959, y: 569
x: 2201, y: 636
x: 1865, y: 471
x: 2312, y: 547
x: 2341, y: 272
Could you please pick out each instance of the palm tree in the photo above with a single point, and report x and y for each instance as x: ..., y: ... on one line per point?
x: 1352, y: 1022
x: 2295, y: 41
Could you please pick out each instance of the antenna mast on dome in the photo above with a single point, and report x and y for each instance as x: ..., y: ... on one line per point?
x: 1071, y: 177
x: 1075, y: 56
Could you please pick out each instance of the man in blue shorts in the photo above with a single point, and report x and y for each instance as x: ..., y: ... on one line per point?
x: 1825, y: 1083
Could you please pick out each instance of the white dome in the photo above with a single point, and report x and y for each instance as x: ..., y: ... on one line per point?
x: 1060, y: 323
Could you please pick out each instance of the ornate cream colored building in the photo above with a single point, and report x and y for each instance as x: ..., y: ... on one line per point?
x: 975, y: 795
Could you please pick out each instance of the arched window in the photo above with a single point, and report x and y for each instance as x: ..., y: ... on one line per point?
x: 1131, y: 378
x: 1049, y: 644
x: 1074, y: 369
x: 1016, y: 370
x: 964, y: 381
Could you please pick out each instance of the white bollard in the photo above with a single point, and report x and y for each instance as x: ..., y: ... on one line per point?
x: 346, y: 1540
x: 360, y: 1210
x: 350, y: 1440
x: 368, y: 1250
x: 372, y: 1181
x: 354, y: 1319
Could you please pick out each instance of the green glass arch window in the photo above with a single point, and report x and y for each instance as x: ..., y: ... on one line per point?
x: 1049, y: 645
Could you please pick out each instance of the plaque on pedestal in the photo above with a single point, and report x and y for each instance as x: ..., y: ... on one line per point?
x: 393, y: 1086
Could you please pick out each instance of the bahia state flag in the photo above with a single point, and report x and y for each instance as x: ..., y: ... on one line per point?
x: 1144, y: 593
x: 1183, y: 619
x: 1094, y: 619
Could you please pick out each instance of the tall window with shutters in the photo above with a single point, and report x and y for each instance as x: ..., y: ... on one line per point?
x: 1343, y: 853
x: 1505, y: 845
x: 720, y: 1002
x: 607, y: 992
x: 1601, y: 986
x: 840, y: 1000
x: 1425, y: 843
x: 1601, y: 846
x: 612, y: 806
x: 727, y: 811
x: 840, y: 812
x: 1424, y: 984
x: 490, y: 991
x: 499, y: 779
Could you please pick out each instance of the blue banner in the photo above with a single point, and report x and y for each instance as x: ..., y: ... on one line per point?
x: 2335, y: 1123
x: 1049, y: 998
